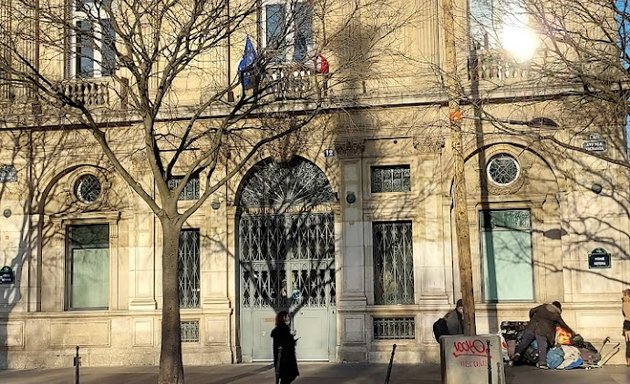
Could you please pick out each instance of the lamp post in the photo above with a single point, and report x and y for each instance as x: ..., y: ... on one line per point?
x: 462, y: 228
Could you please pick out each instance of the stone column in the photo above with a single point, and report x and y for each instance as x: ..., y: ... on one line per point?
x: 432, y: 238
x: 217, y: 276
x: 142, y: 262
x: 352, y: 299
x: 216, y: 258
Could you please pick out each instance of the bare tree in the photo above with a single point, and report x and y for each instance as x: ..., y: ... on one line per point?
x: 154, y: 84
x: 573, y: 52
x: 552, y: 74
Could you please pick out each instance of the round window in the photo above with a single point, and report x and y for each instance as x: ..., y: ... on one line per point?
x: 503, y: 169
x: 87, y: 188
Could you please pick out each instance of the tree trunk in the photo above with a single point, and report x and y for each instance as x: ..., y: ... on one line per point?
x: 462, y: 227
x: 171, y: 367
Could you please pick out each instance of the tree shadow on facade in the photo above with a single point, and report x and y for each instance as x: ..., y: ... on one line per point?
x: 31, y: 223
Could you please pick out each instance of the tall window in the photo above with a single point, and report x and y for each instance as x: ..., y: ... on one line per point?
x: 506, y: 243
x: 482, y: 23
x: 92, y: 40
x: 393, y: 262
x: 189, y: 268
x: 88, y: 267
x: 501, y: 23
x: 288, y: 29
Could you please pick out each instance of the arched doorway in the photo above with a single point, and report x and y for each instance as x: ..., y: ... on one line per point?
x: 286, y: 254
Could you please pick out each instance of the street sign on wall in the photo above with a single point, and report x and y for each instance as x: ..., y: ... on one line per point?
x: 599, y: 258
x: 595, y: 145
x: 594, y: 142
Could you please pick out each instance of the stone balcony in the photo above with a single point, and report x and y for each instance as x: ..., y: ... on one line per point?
x: 97, y: 92
x: 89, y: 92
x: 495, y: 66
x: 294, y: 82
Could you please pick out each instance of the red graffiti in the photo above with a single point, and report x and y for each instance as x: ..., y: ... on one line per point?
x: 473, y: 364
x: 470, y: 348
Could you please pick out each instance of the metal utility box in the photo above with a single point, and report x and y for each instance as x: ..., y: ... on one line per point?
x: 471, y: 359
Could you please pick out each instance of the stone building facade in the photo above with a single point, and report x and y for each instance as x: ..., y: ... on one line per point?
x: 370, y: 261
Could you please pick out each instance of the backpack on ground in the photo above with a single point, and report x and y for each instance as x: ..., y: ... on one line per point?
x: 440, y: 328
x: 530, y: 356
x: 588, y: 352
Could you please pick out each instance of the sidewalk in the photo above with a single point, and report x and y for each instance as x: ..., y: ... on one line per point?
x: 311, y: 373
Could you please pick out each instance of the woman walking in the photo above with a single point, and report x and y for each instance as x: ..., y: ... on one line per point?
x: 284, y: 350
x: 625, y: 307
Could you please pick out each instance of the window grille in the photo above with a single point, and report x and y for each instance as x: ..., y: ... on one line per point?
x: 189, y: 268
x: 503, y: 169
x: 6, y: 88
x: 88, y: 188
x: 296, y: 183
x: 394, y: 328
x: 393, y: 262
x: 391, y: 179
x: 287, y: 258
x: 190, y: 331
x: 190, y: 192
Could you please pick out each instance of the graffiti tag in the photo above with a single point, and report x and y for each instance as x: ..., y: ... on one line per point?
x: 470, y: 348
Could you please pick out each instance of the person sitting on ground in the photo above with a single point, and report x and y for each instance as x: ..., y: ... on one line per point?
x: 455, y: 319
x: 543, y: 320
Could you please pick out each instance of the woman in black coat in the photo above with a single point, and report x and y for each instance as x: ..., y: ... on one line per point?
x: 625, y: 308
x: 284, y: 360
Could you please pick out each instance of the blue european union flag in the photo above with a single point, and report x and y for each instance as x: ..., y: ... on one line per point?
x: 246, y: 66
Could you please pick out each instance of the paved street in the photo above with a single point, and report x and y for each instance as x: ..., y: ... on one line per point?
x: 311, y: 373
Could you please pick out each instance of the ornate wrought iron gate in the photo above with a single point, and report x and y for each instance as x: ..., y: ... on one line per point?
x: 286, y: 258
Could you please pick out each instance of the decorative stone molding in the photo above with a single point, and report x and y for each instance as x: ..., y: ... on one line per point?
x: 64, y: 219
x: 495, y: 189
x: 102, y: 202
x: 428, y: 144
x: 350, y: 148
x: 285, y: 148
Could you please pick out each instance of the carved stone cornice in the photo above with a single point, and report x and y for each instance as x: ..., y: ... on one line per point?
x: 350, y: 148
x: 493, y: 189
x: 284, y: 149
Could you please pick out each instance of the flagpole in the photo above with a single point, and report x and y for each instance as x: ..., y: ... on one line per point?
x: 230, y: 95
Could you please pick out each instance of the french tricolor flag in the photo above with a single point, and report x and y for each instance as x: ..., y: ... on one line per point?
x: 321, y: 64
